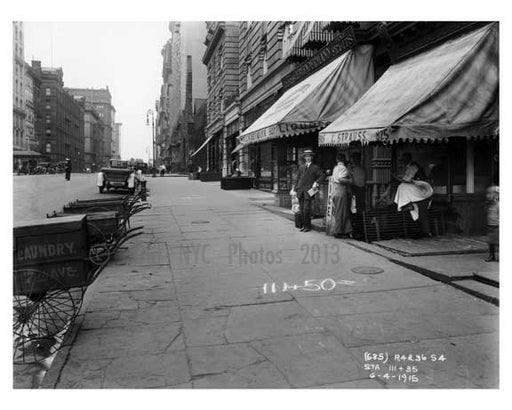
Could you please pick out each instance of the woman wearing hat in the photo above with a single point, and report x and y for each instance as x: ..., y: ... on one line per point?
x: 309, y: 176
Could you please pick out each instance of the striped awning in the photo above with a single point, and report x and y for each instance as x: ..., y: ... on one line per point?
x: 313, y: 103
x: 202, y: 145
x: 451, y: 90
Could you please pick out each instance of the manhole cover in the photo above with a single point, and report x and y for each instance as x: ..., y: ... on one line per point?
x: 200, y: 222
x: 367, y: 270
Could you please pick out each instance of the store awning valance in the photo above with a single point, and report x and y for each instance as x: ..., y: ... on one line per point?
x: 238, y: 148
x: 202, y: 145
x: 316, y: 101
x: 451, y: 90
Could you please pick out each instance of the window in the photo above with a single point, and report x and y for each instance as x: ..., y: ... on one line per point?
x: 48, y: 106
x: 48, y: 91
x: 48, y: 118
x: 48, y: 147
x: 48, y: 131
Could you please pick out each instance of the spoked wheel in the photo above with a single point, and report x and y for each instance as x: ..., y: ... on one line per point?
x: 41, y: 315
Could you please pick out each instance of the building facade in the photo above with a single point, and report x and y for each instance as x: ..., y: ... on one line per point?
x: 116, y: 141
x: 93, y: 138
x: 221, y: 59
x: 20, y: 140
x: 60, y: 123
x: 31, y: 88
x: 296, y: 78
x: 184, y: 79
x: 101, y: 101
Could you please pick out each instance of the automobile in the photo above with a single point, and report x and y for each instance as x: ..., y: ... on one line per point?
x: 118, y: 175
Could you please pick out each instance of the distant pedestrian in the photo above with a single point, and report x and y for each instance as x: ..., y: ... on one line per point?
x: 68, y: 169
x: 341, y: 181
x: 493, y: 221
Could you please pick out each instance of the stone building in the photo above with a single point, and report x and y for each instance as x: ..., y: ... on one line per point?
x: 116, y: 141
x: 20, y: 141
x: 296, y: 79
x: 93, y: 138
x: 60, y: 123
x: 101, y: 101
x: 184, y: 79
x: 31, y: 89
x: 221, y: 60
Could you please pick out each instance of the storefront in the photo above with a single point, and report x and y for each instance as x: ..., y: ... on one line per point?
x: 276, y: 139
x: 442, y: 107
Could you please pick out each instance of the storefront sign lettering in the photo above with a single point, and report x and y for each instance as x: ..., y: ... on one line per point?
x: 45, y: 250
x: 277, y: 131
x: 343, y: 137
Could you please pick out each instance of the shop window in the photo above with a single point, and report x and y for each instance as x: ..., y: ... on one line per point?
x: 48, y: 91
x: 48, y: 147
x: 483, y: 160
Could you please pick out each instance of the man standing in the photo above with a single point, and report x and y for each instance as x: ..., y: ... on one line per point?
x: 309, y: 176
x: 68, y: 169
x: 358, y: 181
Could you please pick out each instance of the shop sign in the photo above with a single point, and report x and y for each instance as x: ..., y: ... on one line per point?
x: 344, y: 137
x: 277, y: 131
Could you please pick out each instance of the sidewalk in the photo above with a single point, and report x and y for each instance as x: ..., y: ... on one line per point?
x: 220, y: 293
x: 465, y: 270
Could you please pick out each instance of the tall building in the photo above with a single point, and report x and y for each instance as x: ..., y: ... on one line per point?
x: 181, y: 66
x: 101, y: 101
x: 20, y: 140
x: 116, y: 141
x: 31, y: 88
x: 222, y: 61
x: 93, y: 138
x: 60, y: 124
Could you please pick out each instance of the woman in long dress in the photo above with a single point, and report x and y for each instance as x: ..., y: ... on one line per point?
x: 341, y: 197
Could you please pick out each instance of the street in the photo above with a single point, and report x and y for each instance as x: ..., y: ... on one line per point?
x: 34, y: 196
x: 220, y: 293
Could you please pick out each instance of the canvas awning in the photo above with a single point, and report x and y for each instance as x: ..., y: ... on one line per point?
x: 316, y: 101
x: 451, y: 90
x: 202, y: 145
x: 238, y: 148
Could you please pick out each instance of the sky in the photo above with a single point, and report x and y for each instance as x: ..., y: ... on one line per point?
x: 124, y: 56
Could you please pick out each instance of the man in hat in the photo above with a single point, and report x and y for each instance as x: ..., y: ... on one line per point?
x: 309, y: 176
x: 68, y: 169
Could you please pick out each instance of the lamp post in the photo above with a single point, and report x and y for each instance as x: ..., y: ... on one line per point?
x: 151, y: 113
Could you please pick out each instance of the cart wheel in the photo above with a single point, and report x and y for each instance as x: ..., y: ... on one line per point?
x: 101, y: 189
x: 41, y: 319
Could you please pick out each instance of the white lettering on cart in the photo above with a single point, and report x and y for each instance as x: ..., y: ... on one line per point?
x: 45, y: 250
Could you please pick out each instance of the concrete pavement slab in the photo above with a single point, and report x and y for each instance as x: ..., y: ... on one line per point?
x: 246, y: 323
x: 209, y: 360
x: 154, y: 314
x: 310, y: 359
x: 205, y: 332
x: 260, y: 375
x: 355, y: 384
x: 114, y: 342
x: 440, y: 298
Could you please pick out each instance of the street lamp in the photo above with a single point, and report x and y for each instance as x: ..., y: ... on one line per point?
x: 151, y: 113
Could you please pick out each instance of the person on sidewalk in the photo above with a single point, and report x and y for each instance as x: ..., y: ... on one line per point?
x: 341, y: 198
x: 308, y: 180
x: 414, y: 193
x: 493, y: 221
x: 68, y: 169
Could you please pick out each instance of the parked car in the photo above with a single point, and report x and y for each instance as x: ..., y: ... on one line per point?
x: 118, y: 175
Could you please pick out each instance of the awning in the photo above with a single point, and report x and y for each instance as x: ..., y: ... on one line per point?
x: 26, y: 154
x: 238, y: 148
x: 451, y: 90
x: 203, y: 145
x: 316, y: 101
